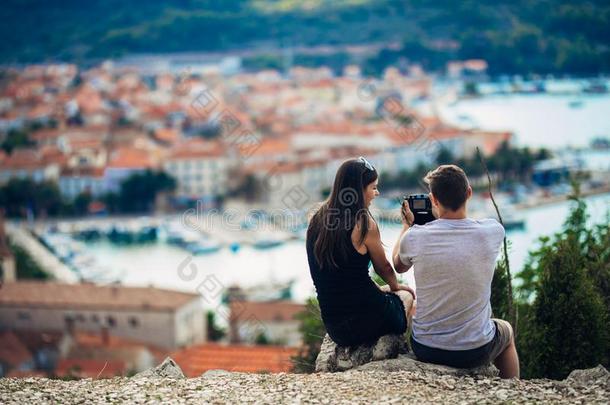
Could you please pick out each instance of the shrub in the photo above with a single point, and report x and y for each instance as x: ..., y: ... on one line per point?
x: 313, y: 331
x: 499, y: 287
x: 565, y: 296
x: 567, y: 328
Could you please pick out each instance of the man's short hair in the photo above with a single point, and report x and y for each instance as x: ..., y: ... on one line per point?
x: 449, y: 185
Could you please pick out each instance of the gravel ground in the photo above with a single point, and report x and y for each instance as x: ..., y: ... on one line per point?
x: 323, y: 388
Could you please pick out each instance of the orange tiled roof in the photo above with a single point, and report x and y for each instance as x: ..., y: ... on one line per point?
x: 22, y: 159
x: 89, y: 99
x: 92, y: 340
x: 55, y: 295
x: 195, y: 148
x: 167, y: 134
x: 131, y: 158
x: 12, y: 351
x: 339, y: 128
x: 35, y: 340
x: 197, y: 359
x: 271, y: 167
x: 86, y: 143
x: 40, y: 110
x: 25, y: 374
x: 269, y: 146
x: 46, y: 135
x: 475, y: 64
x: 86, y: 368
x: 50, y: 154
x: 282, y: 310
x: 49, y: 150
x: 96, y: 346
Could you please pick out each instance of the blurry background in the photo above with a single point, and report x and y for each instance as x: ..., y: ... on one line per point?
x: 159, y: 160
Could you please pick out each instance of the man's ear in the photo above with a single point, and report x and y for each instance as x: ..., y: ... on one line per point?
x: 436, y: 206
x: 469, y: 192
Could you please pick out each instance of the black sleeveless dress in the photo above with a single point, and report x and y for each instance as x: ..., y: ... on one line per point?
x: 354, y: 310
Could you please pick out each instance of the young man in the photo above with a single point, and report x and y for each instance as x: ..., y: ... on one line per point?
x: 454, y: 259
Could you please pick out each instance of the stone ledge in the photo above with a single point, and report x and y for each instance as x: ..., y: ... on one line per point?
x: 353, y: 386
x: 408, y: 362
x: 168, y: 369
x: 389, y: 353
x: 333, y: 357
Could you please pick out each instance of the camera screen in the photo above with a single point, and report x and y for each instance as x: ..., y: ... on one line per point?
x: 419, y: 204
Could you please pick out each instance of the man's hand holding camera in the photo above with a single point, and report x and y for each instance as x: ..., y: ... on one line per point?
x: 406, y: 215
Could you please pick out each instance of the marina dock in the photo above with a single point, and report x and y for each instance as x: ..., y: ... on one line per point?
x: 49, y: 263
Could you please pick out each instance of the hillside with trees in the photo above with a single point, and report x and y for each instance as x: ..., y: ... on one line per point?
x: 523, y: 36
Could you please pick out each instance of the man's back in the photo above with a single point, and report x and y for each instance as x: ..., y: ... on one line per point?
x: 454, y: 262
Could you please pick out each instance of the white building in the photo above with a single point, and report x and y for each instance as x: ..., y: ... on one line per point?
x: 164, y: 318
x: 274, y: 320
x: 200, y: 168
x: 73, y: 182
x: 125, y: 162
x: 28, y: 163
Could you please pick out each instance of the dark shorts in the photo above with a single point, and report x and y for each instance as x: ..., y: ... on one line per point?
x: 467, y: 358
x: 367, y: 328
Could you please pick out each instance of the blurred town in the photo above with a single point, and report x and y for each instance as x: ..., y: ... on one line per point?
x: 133, y: 153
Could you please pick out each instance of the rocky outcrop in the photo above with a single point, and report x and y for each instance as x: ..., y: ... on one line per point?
x: 393, y: 350
x: 336, y: 358
x: 168, y: 369
x: 408, y: 362
x: 592, y: 377
x: 352, y: 386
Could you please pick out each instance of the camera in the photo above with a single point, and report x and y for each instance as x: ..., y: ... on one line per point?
x: 421, y: 207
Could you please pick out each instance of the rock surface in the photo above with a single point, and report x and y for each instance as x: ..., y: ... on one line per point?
x: 408, y: 362
x: 168, y: 369
x: 592, y: 376
x: 353, y: 386
x: 393, y: 350
x: 333, y: 357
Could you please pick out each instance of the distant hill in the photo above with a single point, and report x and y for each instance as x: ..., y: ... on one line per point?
x: 520, y: 36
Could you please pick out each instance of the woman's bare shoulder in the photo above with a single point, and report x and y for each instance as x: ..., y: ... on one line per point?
x: 373, y: 229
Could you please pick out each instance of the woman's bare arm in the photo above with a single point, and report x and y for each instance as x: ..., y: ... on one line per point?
x: 381, y: 265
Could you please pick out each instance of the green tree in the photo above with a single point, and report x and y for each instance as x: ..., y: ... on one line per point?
x: 599, y: 268
x: 19, y: 196
x: 138, y: 192
x: 25, y: 265
x: 250, y: 188
x: 262, y: 339
x: 499, y: 287
x: 16, y: 139
x: 568, y: 328
x: 444, y: 156
x: 471, y: 89
x: 567, y: 278
x: 81, y: 203
x: 312, y: 330
x: 215, y: 333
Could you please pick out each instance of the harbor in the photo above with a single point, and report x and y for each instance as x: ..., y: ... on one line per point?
x: 249, y: 247
x: 160, y: 262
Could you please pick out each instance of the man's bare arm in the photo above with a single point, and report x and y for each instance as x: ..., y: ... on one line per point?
x: 399, y: 266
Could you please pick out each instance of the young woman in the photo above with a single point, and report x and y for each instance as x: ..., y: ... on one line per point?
x: 342, y: 239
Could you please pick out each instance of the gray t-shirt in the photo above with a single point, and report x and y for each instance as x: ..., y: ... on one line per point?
x: 454, y: 261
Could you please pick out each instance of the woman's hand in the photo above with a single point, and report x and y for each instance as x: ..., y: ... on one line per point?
x: 397, y: 287
x: 405, y: 288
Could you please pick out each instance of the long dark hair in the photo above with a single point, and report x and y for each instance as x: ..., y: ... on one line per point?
x: 332, y: 223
